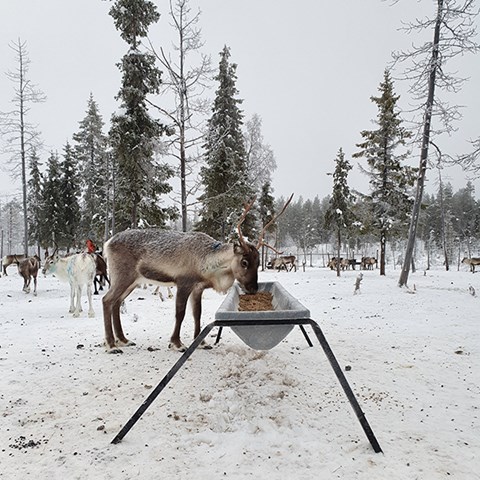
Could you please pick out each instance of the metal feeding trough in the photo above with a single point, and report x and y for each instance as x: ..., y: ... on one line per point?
x: 265, y: 336
x: 260, y: 330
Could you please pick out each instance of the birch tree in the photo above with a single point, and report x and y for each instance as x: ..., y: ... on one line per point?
x: 188, y: 75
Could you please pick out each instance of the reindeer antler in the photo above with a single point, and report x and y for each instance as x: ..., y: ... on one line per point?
x: 275, y: 217
x: 247, y: 207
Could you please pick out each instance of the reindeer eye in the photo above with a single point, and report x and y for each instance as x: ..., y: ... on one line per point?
x: 244, y: 263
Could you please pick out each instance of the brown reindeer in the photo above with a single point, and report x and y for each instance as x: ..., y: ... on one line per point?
x: 473, y: 262
x: 191, y: 261
x: 284, y: 261
x: 101, y: 276
x: 28, y: 269
x: 8, y: 260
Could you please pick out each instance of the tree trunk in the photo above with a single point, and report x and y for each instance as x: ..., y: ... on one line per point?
x: 339, y: 245
x: 383, y: 244
x: 412, y: 232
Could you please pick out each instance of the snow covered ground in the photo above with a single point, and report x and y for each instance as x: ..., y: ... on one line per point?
x: 232, y: 412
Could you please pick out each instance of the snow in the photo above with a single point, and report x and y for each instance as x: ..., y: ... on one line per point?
x: 232, y: 412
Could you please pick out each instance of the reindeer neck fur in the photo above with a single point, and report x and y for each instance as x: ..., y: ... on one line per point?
x: 218, y: 267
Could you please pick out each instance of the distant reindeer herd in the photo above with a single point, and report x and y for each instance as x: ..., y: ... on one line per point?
x: 366, y: 263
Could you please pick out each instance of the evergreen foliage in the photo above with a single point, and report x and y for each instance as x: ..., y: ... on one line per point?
x: 339, y: 215
x: 34, y: 197
x: 390, y: 180
x: 69, y: 190
x: 91, y: 153
x: 266, y: 207
x: 225, y: 176
x: 52, y: 202
x: 139, y: 179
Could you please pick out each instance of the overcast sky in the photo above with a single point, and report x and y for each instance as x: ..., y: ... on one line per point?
x: 308, y: 68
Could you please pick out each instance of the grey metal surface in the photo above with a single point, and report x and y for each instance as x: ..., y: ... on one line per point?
x: 262, y: 337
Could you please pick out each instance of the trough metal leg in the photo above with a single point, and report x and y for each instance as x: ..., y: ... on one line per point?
x: 163, y: 383
x: 346, y: 387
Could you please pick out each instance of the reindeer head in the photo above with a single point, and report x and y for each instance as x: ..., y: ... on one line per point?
x: 50, y: 260
x: 247, y: 259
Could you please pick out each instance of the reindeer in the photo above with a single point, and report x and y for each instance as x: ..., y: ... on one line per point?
x: 474, y: 261
x: 368, y: 263
x: 79, y: 270
x: 191, y: 261
x: 8, y: 260
x: 28, y: 269
x: 100, y: 273
x: 284, y: 261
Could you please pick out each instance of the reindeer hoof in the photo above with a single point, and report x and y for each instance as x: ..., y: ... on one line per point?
x: 126, y: 343
x: 181, y: 348
x: 114, y: 350
x: 205, y: 345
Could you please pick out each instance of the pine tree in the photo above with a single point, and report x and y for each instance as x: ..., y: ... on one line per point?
x: 139, y: 179
x: 339, y: 215
x: 389, y: 180
x: 34, y: 201
x: 69, y: 191
x: 225, y: 176
x: 90, y: 150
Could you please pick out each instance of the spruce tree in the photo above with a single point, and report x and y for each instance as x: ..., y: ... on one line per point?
x: 225, y: 176
x: 339, y: 214
x: 69, y: 190
x: 90, y: 151
x: 134, y: 134
x: 390, y: 180
x: 266, y: 204
x: 34, y: 196
x: 52, y: 202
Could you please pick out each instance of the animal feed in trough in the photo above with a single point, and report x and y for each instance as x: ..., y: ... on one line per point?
x: 283, y: 306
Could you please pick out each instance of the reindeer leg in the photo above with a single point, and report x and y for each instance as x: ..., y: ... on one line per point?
x: 35, y: 285
x: 112, y: 301
x: 91, y: 313
x: 78, y: 308
x: 72, y: 298
x: 197, y: 313
x: 107, y: 321
x: 183, y: 292
x: 121, y: 339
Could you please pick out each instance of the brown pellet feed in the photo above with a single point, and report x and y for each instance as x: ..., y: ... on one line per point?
x: 255, y: 302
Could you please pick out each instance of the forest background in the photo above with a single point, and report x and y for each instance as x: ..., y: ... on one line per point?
x: 169, y: 157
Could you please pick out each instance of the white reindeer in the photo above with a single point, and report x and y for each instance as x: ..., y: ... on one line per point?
x: 78, y: 270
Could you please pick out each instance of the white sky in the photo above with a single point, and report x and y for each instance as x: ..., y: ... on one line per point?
x: 307, y: 68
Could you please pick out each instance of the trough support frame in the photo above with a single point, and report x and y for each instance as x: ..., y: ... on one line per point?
x: 234, y: 323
